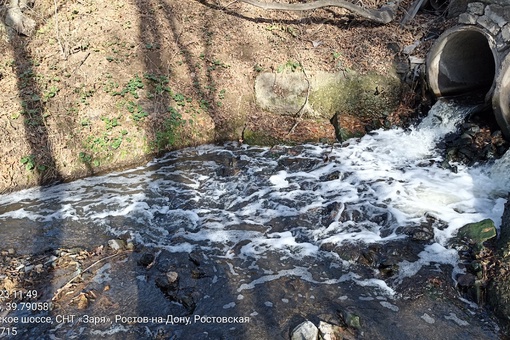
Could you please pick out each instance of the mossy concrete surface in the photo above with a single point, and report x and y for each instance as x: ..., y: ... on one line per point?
x: 354, y: 102
x: 364, y: 95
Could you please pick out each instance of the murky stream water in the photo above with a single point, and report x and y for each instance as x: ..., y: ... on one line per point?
x: 279, y: 233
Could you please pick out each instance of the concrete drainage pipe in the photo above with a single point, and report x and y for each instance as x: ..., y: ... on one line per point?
x: 438, y: 4
x: 501, y: 98
x: 463, y: 60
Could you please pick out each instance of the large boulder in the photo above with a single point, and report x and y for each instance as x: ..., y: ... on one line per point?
x: 353, y: 102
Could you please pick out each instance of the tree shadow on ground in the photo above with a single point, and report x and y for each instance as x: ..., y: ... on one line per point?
x: 184, y: 297
x: 34, y: 95
x: 35, y: 108
x: 154, y: 17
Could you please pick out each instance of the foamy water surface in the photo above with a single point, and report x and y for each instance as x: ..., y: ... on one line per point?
x: 251, y: 205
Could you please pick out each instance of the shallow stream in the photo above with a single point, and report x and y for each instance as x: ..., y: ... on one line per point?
x: 278, y: 235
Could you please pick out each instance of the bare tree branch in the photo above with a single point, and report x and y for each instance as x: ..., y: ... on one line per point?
x: 383, y: 15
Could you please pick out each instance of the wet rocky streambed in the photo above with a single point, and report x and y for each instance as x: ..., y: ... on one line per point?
x: 363, y: 240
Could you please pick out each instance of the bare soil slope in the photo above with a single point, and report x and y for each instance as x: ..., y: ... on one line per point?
x: 102, y: 85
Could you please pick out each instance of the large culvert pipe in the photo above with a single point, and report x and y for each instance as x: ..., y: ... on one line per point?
x: 501, y: 98
x: 463, y: 60
x: 439, y: 4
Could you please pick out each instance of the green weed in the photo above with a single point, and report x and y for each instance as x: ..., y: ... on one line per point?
x: 137, y: 111
x: 31, y: 164
x: 110, y: 123
x: 160, y: 84
x: 292, y: 65
x: 85, y: 95
x: 85, y: 157
x: 116, y: 142
x: 131, y: 87
x: 52, y: 92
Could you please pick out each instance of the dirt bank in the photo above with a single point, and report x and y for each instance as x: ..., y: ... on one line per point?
x: 100, y: 86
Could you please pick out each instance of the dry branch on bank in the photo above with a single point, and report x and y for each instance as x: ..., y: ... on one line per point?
x: 384, y: 15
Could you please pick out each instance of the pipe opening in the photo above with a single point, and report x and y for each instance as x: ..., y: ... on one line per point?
x: 439, y: 4
x: 436, y: 5
x: 462, y: 61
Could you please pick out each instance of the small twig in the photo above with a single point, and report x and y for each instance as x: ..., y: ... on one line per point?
x: 413, y: 10
x: 300, y: 112
x: 57, y: 30
x: 230, y: 3
x: 81, y: 63
x: 83, y: 271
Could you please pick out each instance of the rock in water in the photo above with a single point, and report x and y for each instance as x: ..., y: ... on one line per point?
x: 168, y: 282
x: 117, y: 244
x: 305, y: 331
x: 479, y: 232
x: 146, y: 259
x: 498, y: 291
x: 334, y: 332
x: 172, y: 277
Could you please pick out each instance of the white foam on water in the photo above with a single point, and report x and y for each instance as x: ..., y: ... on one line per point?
x: 113, y: 330
x: 377, y: 283
x: 301, y: 272
x: 433, y: 254
x: 279, y: 242
x: 456, y: 319
x: 274, y: 207
x: 279, y: 180
x: 390, y: 306
x: 428, y: 319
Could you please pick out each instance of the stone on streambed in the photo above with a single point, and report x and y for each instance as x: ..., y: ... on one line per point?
x: 305, y: 331
x: 168, y: 282
x: 333, y: 332
x: 504, y: 237
x: 351, y: 319
x: 117, y: 244
x: 146, y: 259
